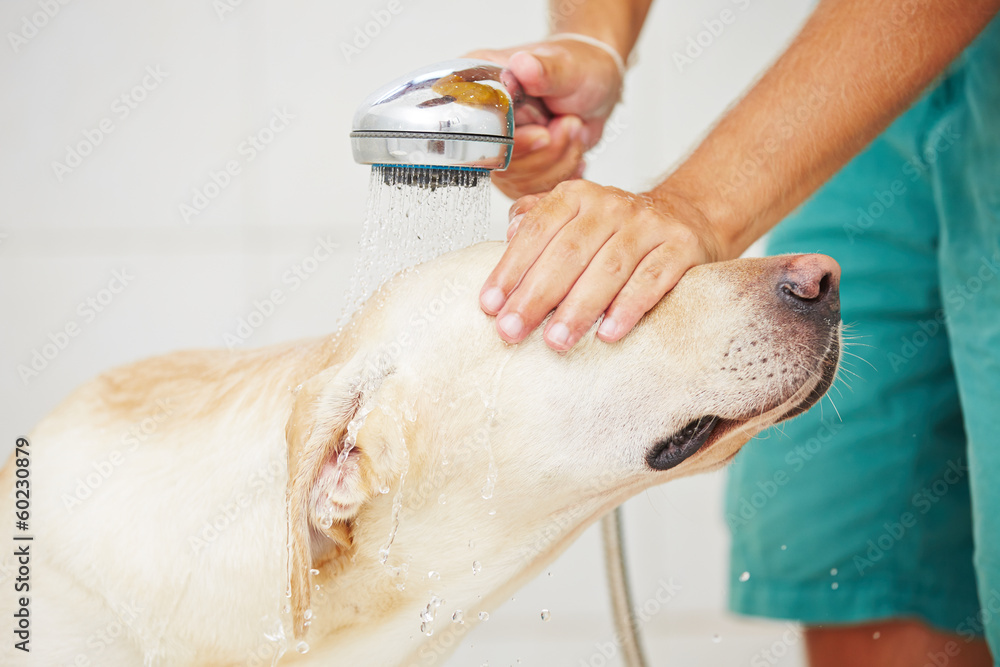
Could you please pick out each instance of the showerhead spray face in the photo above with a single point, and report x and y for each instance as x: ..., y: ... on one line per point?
x: 447, y: 124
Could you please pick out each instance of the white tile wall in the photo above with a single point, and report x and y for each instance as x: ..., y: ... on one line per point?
x: 221, y: 79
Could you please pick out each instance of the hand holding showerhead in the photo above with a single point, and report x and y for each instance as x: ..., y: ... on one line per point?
x: 579, y: 83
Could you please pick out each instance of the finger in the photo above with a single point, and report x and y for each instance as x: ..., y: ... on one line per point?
x: 655, y: 275
x: 536, y: 229
x: 552, y: 276
x: 499, y: 56
x: 517, y: 211
x: 528, y: 139
x: 599, y: 284
x: 542, y: 170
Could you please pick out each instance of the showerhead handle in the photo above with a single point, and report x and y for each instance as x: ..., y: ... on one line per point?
x: 458, y: 113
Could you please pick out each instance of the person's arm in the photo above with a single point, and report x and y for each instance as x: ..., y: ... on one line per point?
x: 590, y: 249
x: 577, y: 81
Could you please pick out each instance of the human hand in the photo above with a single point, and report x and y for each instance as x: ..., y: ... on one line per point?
x: 579, y: 84
x: 591, y: 249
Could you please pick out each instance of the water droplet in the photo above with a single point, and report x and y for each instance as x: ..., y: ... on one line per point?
x: 302, y: 647
x: 833, y: 572
x: 484, y: 616
x: 745, y: 576
x: 316, y: 587
x: 472, y: 544
x: 314, y: 572
x: 546, y: 615
x: 477, y: 567
x: 384, y: 489
x: 286, y: 609
x: 434, y: 575
x: 492, y: 512
x: 876, y: 635
x: 784, y: 547
x: 442, y: 499
x: 716, y: 639
x: 426, y: 628
x: 308, y: 614
x: 835, y: 585
x: 457, y: 617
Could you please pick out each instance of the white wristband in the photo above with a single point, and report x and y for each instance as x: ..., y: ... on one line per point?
x: 593, y: 41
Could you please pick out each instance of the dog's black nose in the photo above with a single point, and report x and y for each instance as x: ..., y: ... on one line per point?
x: 809, y: 284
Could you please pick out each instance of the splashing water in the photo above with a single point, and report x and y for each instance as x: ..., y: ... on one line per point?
x: 410, y: 221
x: 428, y: 614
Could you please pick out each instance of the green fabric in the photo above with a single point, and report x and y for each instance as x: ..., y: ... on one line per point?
x: 869, y: 514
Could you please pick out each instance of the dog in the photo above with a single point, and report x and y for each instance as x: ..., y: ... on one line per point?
x: 359, y: 499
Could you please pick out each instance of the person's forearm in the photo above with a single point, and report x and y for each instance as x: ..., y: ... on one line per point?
x: 617, y: 23
x: 855, y: 66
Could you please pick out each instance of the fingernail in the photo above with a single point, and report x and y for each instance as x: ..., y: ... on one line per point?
x: 558, y: 334
x: 514, y: 222
x: 492, y: 299
x: 511, y: 325
x: 541, y: 142
x: 608, y: 328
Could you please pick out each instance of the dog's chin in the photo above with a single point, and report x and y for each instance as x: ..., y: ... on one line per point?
x: 705, y: 431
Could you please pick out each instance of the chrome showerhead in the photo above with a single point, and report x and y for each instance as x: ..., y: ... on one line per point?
x: 454, y: 114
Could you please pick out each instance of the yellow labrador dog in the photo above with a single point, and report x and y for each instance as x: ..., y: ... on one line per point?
x: 360, y: 499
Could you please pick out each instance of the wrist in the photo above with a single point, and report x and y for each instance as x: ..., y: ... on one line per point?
x: 689, y: 209
x: 616, y: 53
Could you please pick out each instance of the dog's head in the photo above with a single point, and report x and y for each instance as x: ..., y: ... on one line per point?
x: 430, y: 428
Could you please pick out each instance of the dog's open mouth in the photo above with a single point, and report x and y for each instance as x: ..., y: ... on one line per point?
x: 680, y: 446
x: 673, y: 450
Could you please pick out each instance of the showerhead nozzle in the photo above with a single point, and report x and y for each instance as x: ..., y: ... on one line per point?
x: 452, y: 114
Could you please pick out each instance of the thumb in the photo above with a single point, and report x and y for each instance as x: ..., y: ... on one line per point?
x: 544, y: 72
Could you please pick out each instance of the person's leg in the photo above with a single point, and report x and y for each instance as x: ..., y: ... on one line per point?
x: 892, y: 643
x: 967, y: 182
x: 835, y: 516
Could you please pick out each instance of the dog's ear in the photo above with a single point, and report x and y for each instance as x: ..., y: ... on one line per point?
x: 330, y: 476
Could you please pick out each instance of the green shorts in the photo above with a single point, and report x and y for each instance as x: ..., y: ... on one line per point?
x: 884, y: 499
